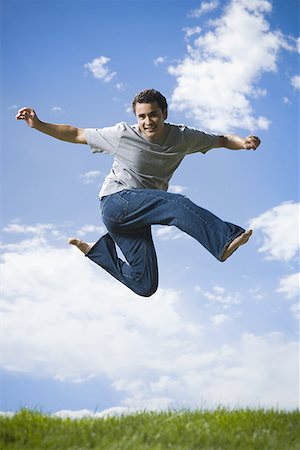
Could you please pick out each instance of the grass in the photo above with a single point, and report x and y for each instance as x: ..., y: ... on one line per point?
x: 184, y: 430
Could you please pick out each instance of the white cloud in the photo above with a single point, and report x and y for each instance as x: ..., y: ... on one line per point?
x: 177, y: 188
x: 256, y: 293
x: 116, y: 411
x: 279, y: 228
x: 90, y: 177
x: 205, y: 8
x: 295, y: 310
x: 19, y: 228
x: 295, y: 80
x: 7, y: 414
x: 218, y: 319
x: 58, y: 309
x: 286, y: 101
x: 40, y: 231
x: 290, y: 285
x: 191, y: 31
x: 220, y: 296
x: 75, y: 415
x: 86, y: 229
x: 13, y: 108
x: 120, y: 86
x: 99, y: 69
x: 159, y: 60
x: 57, y: 109
x: 244, y: 374
x: 44, y: 291
x: 170, y: 233
x: 215, y: 82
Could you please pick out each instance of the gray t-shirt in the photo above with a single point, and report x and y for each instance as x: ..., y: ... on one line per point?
x: 143, y: 164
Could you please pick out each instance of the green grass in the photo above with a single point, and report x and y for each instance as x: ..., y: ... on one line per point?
x: 184, y: 430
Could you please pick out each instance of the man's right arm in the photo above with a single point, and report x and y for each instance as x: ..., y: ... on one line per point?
x: 63, y: 132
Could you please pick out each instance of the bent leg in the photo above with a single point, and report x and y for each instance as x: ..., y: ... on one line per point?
x: 129, y: 210
x: 139, y: 273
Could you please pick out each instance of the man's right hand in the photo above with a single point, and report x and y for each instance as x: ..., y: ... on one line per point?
x: 29, y: 115
x: 63, y: 132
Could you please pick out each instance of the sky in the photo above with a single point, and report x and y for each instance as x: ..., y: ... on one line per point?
x: 73, y: 340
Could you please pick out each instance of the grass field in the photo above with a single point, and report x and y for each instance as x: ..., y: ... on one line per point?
x: 183, y: 430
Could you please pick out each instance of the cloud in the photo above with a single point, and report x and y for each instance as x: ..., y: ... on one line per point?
x: 44, y: 292
x: 170, y: 233
x: 290, y: 285
x: 218, y: 319
x: 295, y: 310
x: 256, y: 293
x: 116, y: 411
x: 177, y: 188
x: 89, y: 177
x: 215, y: 82
x: 279, y: 229
x: 120, y: 86
x: 243, y: 374
x: 13, y: 108
x: 99, y: 69
x: 37, y: 235
x: 204, y: 9
x: 220, y: 296
x: 86, y: 229
x: 295, y: 80
x: 65, y: 318
x: 58, y: 109
x: 19, y: 228
x: 191, y: 31
x: 159, y: 60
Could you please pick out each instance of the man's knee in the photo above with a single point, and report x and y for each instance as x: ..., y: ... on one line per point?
x: 147, y: 290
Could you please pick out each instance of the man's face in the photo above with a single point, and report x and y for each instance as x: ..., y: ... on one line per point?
x: 150, y: 120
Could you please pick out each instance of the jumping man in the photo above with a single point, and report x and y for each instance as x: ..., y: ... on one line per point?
x: 134, y: 194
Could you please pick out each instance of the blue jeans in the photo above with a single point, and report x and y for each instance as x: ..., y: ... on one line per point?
x: 128, y: 216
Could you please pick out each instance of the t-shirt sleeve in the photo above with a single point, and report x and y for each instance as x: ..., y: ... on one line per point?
x: 105, y: 140
x: 198, y: 141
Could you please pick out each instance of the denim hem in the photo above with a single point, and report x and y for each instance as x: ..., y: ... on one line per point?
x: 238, y: 233
x: 90, y: 250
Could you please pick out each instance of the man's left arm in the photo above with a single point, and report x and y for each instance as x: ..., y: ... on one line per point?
x: 234, y: 142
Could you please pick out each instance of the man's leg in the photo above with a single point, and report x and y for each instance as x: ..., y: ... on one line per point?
x: 139, y: 272
x: 132, y: 209
x: 128, y: 216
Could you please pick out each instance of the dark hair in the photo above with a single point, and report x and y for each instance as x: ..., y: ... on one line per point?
x: 150, y: 96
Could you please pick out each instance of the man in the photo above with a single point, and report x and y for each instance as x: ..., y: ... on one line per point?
x: 134, y: 195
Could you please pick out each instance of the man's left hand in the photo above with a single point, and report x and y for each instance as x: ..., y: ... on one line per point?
x: 251, y: 142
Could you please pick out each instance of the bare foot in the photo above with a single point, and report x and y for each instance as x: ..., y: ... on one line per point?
x: 240, y: 240
x: 83, y: 246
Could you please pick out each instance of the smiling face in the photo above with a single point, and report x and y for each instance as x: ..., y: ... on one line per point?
x: 151, y: 120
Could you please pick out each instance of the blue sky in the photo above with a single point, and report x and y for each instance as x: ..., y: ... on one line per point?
x: 72, y: 338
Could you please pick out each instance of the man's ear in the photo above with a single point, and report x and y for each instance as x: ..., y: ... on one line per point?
x: 165, y: 114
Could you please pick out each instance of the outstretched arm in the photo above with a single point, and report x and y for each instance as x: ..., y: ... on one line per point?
x: 63, y: 132
x: 234, y: 142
